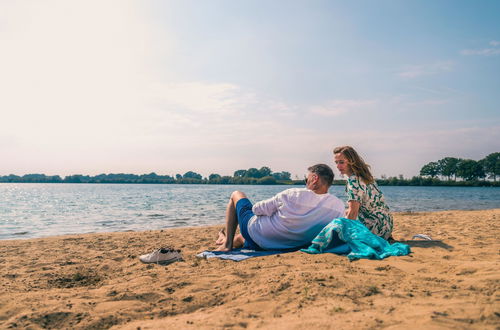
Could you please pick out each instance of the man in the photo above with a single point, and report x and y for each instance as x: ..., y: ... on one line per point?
x: 291, y: 219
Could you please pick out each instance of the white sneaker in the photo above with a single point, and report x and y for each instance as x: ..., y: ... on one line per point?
x: 162, y: 256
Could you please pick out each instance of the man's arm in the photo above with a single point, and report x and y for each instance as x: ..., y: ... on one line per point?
x: 267, y: 207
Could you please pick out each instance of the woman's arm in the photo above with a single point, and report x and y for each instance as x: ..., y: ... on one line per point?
x: 352, y: 210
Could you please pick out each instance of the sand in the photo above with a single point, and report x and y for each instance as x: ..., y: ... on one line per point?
x: 95, y: 281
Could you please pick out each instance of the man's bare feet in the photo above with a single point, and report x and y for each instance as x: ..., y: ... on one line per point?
x: 223, y: 249
x: 222, y: 237
x: 238, y: 241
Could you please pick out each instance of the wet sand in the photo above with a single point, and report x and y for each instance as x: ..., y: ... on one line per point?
x: 96, y: 281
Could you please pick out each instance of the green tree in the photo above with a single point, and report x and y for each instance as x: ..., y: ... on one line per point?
x: 192, y: 175
x: 431, y: 169
x: 77, y: 178
x: 214, y: 178
x: 285, y: 175
x: 226, y: 179
x: 11, y: 178
x: 264, y: 171
x: 240, y: 173
x: 448, y: 167
x: 145, y: 178
x: 492, y: 165
x: 470, y: 170
x: 253, y: 173
x: 281, y: 175
x: 266, y: 180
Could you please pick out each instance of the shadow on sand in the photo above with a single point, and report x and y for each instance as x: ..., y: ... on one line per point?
x: 427, y: 244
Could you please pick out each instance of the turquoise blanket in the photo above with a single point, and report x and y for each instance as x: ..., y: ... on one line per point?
x: 362, y: 242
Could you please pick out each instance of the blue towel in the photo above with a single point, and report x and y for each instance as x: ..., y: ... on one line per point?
x: 363, y: 244
x: 238, y: 254
x: 242, y: 254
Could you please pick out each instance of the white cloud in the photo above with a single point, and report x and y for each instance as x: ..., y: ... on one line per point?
x: 428, y: 102
x: 224, y: 108
x: 490, y: 51
x: 415, y: 71
x: 482, y: 52
x: 197, y: 97
x: 341, y: 106
x: 442, y: 90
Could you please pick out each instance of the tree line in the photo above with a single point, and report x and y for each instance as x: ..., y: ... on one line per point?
x: 471, y: 173
x: 264, y: 175
x: 428, y: 181
x: 465, y: 169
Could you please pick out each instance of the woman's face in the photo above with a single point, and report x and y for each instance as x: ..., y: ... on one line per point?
x: 342, y: 164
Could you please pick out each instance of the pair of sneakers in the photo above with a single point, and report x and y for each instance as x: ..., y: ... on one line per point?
x: 161, y: 256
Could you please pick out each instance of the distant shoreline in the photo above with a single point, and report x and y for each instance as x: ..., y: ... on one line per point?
x: 420, y: 182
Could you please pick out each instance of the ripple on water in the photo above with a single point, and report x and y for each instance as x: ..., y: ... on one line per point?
x: 179, y: 223
x: 163, y: 216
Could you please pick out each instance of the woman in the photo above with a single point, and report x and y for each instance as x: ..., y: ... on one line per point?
x: 365, y: 201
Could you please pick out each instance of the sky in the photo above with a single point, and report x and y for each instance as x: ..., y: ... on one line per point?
x: 91, y: 87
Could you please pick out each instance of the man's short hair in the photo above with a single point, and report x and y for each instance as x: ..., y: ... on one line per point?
x: 324, y: 172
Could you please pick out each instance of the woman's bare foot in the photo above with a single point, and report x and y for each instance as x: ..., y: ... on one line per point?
x: 222, y: 237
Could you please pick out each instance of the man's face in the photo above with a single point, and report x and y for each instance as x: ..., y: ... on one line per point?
x: 311, y: 180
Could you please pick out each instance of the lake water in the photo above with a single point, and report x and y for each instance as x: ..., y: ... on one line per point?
x: 39, y: 210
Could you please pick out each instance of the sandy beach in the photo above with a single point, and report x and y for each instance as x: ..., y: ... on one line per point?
x: 96, y: 281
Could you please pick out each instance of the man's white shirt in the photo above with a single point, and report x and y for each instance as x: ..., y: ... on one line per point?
x: 292, y: 218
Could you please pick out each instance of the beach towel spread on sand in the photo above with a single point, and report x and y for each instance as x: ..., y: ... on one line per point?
x: 237, y: 254
x: 363, y: 244
x: 242, y: 254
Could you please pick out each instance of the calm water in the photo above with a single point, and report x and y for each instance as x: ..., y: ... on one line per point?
x: 38, y: 210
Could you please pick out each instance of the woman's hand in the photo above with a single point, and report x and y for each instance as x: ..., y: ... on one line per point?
x: 352, y: 210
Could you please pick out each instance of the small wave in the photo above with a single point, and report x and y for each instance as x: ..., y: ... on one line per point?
x: 21, y: 233
x: 107, y: 223
x: 157, y: 215
x: 180, y: 223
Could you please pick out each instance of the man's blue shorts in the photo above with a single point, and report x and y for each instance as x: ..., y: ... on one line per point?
x: 244, y: 214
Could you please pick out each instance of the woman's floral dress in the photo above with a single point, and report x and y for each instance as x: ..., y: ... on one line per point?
x: 373, y: 212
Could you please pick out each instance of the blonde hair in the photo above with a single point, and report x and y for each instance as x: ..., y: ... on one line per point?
x: 356, y: 163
